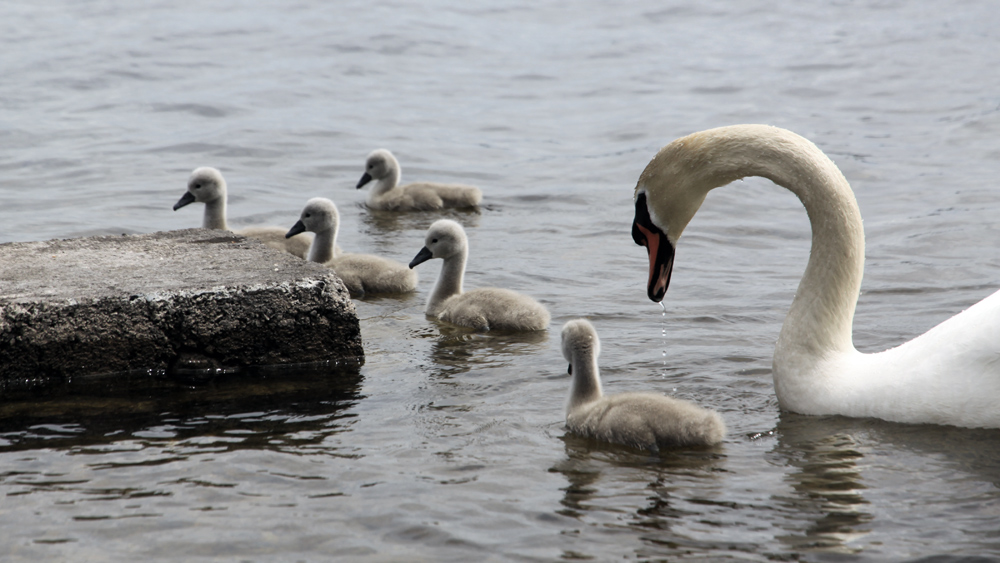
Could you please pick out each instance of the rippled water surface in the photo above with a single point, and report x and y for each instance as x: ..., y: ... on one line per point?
x: 449, y: 446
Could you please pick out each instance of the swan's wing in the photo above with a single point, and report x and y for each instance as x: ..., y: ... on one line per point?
x: 948, y: 375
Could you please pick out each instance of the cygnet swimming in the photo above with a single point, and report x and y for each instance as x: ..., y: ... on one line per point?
x: 482, y: 309
x: 363, y: 274
x: 207, y: 186
x: 640, y: 420
x: 388, y: 195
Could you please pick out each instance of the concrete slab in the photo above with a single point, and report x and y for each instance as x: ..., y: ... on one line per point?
x: 194, y: 298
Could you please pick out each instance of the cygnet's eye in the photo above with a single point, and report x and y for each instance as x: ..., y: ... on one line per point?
x: 196, y: 186
x: 433, y: 240
x: 307, y: 215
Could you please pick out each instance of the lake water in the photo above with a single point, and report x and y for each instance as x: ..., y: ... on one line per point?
x: 449, y: 446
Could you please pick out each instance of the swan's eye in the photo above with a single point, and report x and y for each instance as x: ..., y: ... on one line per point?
x: 307, y: 215
x: 196, y: 186
x: 433, y: 240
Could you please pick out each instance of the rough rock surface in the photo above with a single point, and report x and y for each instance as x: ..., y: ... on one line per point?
x: 190, y: 298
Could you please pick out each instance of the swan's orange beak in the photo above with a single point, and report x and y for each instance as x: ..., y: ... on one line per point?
x: 659, y: 248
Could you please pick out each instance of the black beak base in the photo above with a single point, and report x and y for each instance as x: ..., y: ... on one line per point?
x: 187, y: 198
x: 424, y: 255
x: 298, y: 227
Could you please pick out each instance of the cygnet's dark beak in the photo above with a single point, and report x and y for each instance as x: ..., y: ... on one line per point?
x: 570, y: 369
x: 298, y: 227
x: 424, y: 255
x: 659, y: 248
x: 364, y: 180
x: 187, y: 198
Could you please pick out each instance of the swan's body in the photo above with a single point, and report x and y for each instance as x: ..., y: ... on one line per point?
x: 363, y: 274
x: 641, y: 420
x: 207, y: 186
x: 949, y: 375
x: 388, y: 195
x: 481, y: 309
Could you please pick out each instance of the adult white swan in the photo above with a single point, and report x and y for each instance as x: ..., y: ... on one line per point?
x: 949, y: 375
x: 206, y: 185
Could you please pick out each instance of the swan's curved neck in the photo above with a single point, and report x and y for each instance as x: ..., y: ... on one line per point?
x: 215, y: 215
x: 386, y: 184
x: 449, y: 281
x: 586, y: 386
x: 324, y: 245
x: 822, y: 311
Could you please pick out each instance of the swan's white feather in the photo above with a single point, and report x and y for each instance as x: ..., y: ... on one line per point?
x: 949, y: 375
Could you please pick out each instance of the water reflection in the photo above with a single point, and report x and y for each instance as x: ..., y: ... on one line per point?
x: 835, y: 472
x: 262, y: 409
x: 377, y: 221
x: 827, y: 485
x: 605, y: 478
x: 457, y: 350
x: 582, y: 474
x: 828, y: 510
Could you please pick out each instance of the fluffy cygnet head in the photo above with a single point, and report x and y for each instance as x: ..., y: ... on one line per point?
x: 580, y: 342
x: 380, y: 164
x: 445, y: 239
x: 205, y: 186
x: 319, y: 215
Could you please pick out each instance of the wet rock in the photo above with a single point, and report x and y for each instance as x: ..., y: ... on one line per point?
x: 186, y: 298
